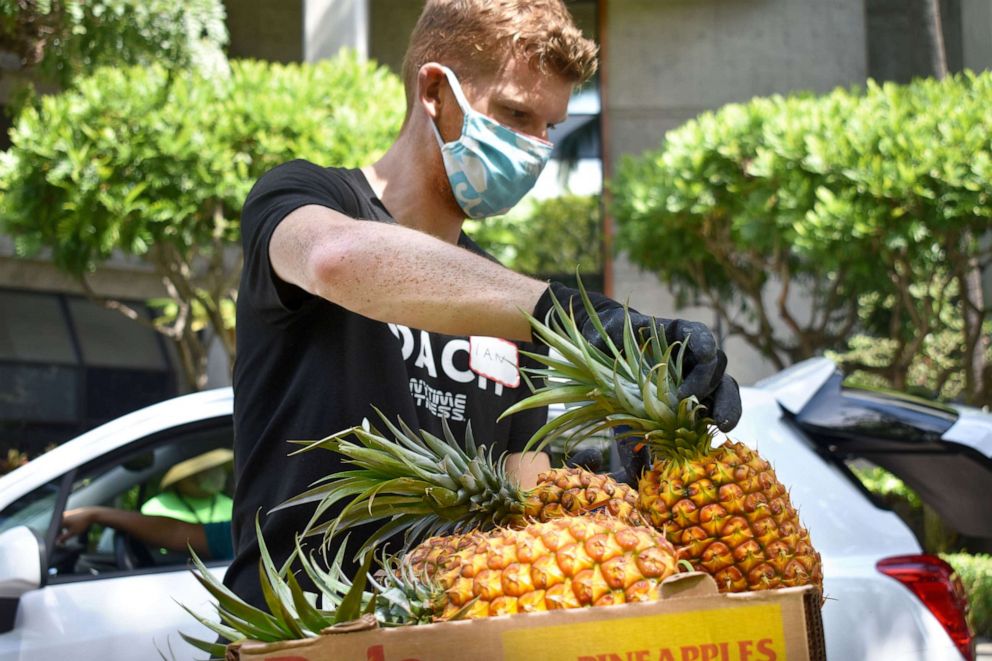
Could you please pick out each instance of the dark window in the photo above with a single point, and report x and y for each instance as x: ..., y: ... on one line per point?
x: 67, y: 364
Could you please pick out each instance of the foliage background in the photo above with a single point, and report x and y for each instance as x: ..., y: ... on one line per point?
x: 871, y: 207
x: 64, y: 39
x: 975, y: 572
x: 156, y: 164
x: 554, y: 236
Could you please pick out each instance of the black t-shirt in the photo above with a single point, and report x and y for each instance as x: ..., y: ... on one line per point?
x: 307, y: 368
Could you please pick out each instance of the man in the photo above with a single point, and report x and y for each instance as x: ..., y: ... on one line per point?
x: 360, y: 290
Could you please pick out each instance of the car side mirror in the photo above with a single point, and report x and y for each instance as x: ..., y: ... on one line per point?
x: 21, y: 566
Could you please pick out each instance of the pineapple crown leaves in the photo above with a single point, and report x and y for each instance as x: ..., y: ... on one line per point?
x: 293, y: 613
x: 408, y: 596
x: 415, y: 483
x: 633, y: 386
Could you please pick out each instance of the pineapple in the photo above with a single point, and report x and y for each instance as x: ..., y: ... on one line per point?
x: 567, y: 562
x: 424, y: 485
x: 721, y: 507
x: 571, y: 562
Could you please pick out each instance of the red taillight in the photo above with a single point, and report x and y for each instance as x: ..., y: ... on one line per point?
x: 933, y: 581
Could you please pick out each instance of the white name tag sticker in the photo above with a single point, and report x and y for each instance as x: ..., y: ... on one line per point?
x: 494, y: 358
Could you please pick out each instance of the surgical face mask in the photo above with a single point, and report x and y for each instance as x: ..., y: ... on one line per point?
x: 490, y: 167
x: 213, y: 480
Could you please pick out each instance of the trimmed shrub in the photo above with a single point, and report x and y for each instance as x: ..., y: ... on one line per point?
x: 862, y: 209
x: 156, y: 164
x: 552, y: 236
x: 975, y: 572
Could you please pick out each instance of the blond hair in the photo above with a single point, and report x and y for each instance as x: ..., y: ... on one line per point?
x: 475, y: 37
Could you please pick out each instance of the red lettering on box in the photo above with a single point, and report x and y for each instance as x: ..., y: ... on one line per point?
x: 744, y: 649
x: 709, y: 651
x: 689, y: 653
x: 375, y: 653
x: 765, y: 647
x: 666, y: 655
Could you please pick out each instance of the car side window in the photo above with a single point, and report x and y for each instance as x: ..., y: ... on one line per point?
x: 34, y: 510
x: 183, y: 477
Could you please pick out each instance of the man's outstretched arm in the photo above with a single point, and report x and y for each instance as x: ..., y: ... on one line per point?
x: 395, y: 274
x: 392, y: 273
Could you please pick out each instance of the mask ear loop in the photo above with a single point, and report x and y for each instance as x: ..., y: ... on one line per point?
x: 456, y: 87
x: 466, y: 109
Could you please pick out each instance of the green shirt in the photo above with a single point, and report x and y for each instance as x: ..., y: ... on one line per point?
x: 192, y: 510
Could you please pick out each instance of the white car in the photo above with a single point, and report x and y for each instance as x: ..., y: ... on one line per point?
x: 85, y: 601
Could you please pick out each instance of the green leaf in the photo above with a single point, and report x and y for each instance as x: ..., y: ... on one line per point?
x: 351, y: 606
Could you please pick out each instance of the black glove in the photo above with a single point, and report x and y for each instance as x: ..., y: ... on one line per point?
x: 590, y: 459
x: 703, y: 363
x: 634, y: 457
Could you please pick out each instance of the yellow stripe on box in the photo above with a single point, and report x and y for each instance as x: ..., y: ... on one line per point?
x: 746, y: 633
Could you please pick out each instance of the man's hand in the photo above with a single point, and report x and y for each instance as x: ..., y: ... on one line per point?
x: 524, y: 467
x: 75, y: 522
x: 703, y: 363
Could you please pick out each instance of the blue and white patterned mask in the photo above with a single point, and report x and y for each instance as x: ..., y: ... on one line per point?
x: 490, y: 167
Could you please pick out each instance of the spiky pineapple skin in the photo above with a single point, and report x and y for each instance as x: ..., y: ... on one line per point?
x: 728, y: 515
x: 559, y: 493
x: 568, y: 562
x: 576, y: 491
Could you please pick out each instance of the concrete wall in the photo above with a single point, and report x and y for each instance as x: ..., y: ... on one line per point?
x: 976, y: 34
x: 667, y: 61
x: 120, y: 277
x: 390, y: 24
x: 330, y: 25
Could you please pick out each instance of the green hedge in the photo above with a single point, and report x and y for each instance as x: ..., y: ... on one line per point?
x: 835, y: 180
x: 871, y: 202
x: 156, y: 164
x: 135, y: 157
x: 551, y: 236
x: 975, y: 572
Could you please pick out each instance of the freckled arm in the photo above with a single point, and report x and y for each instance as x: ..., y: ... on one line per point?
x: 395, y: 274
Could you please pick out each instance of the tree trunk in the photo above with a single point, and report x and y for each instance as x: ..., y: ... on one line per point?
x: 934, y: 33
x: 975, y: 341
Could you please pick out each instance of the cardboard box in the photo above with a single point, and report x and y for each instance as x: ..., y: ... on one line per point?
x: 691, y: 623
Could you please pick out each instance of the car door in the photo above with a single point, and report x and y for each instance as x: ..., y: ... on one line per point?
x: 97, y: 601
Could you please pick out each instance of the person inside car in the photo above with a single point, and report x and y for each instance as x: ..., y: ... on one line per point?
x: 193, y: 490
x: 191, y: 509
x: 210, y: 541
